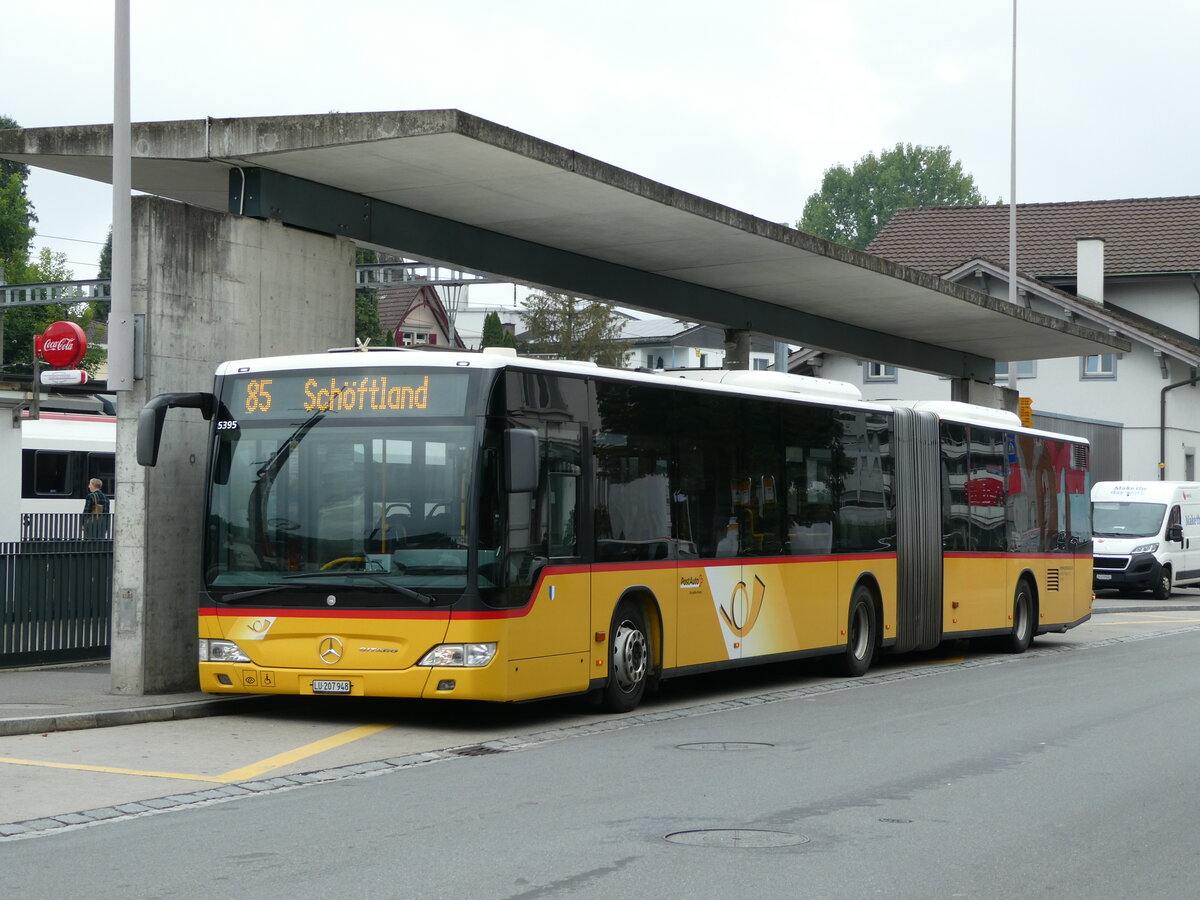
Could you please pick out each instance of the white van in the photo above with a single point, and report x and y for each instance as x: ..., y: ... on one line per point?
x: 1145, y: 536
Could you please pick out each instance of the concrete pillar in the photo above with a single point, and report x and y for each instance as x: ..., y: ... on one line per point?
x: 211, y: 287
x: 737, y: 348
x: 993, y: 396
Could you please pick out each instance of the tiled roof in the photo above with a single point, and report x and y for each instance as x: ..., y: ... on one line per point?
x: 648, y: 329
x: 395, y: 300
x: 1152, y: 235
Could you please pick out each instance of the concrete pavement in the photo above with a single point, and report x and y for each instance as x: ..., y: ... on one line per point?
x: 65, y: 698
x: 69, y: 697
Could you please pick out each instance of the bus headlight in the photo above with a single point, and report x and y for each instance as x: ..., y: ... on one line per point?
x: 459, y: 655
x: 221, y: 651
x: 1147, y: 548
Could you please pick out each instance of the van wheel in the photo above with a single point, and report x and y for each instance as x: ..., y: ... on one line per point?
x: 1162, y: 584
x: 1021, y: 636
x: 628, y: 659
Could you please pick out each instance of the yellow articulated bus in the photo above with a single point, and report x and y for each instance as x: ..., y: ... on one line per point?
x: 411, y: 523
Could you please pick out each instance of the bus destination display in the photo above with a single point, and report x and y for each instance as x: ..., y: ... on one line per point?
x: 373, y: 392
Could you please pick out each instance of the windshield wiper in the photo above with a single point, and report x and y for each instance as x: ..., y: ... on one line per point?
x: 399, y: 589
x: 244, y: 595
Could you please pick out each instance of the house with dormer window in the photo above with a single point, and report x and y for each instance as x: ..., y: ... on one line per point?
x: 1131, y: 267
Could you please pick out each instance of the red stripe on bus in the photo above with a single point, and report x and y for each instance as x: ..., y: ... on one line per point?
x: 994, y: 554
x: 518, y: 612
x: 290, y: 613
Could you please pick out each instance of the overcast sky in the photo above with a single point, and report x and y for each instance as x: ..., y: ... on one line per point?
x: 743, y: 103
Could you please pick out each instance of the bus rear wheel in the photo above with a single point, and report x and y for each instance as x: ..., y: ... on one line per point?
x: 861, y: 630
x: 1019, y: 639
x: 628, y: 659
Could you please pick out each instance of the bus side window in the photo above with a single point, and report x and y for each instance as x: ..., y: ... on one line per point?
x: 52, y: 473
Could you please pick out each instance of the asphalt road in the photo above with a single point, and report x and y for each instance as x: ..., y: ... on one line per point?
x: 1066, y: 772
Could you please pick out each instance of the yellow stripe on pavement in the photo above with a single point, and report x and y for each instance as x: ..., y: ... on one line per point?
x: 110, y: 770
x: 291, y: 756
x: 243, y: 774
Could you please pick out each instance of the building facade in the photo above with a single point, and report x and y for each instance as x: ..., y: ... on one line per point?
x: 1130, y: 267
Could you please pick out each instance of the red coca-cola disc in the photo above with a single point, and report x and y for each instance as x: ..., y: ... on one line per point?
x: 62, y: 345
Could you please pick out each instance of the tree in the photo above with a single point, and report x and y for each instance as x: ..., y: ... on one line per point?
x: 571, y: 328
x: 16, y: 216
x: 105, y: 265
x: 854, y: 204
x: 21, y: 323
x: 367, y: 327
x: 495, y: 334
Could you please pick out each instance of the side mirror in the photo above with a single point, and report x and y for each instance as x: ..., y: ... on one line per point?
x: 150, y: 421
x: 521, y: 460
x: 1175, y: 533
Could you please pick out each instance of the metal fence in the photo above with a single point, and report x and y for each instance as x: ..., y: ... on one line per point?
x: 65, y: 527
x: 55, y: 601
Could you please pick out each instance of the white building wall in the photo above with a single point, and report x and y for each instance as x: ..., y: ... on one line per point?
x: 1172, y: 302
x: 10, y: 459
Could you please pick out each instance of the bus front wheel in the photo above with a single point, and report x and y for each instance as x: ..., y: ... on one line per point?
x: 861, y: 629
x: 628, y: 659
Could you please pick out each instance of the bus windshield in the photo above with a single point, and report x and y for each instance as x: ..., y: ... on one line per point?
x: 1117, y: 519
x: 317, y: 499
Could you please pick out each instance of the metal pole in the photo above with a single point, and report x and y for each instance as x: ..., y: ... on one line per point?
x: 120, y: 317
x: 1012, y: 180
x: 1012, y: 197
x: 781, y: 357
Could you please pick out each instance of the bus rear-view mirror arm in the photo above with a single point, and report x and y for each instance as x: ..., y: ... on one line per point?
x: 150, y: 420
x: 521, y: 455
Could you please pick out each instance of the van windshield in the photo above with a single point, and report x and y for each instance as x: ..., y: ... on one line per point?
x: 1115, y: 519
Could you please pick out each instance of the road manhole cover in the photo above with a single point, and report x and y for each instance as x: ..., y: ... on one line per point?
x: 724, y: 746
x: 745, y: 838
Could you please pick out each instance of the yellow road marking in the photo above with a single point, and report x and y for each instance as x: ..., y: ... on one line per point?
x: 110, y: 770
x: 243, y: 774
x: 282, y: 759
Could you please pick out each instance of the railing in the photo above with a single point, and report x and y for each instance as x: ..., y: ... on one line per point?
x: 55, y: 601
x: 65, y: 527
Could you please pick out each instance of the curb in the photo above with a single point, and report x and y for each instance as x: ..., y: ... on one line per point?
x: 190, y: 709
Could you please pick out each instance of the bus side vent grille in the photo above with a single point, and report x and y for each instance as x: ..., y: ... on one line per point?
x: 1052, y: 579
x: 1079, y: 456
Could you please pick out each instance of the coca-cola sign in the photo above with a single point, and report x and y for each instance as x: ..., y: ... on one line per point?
x: 62, y: 345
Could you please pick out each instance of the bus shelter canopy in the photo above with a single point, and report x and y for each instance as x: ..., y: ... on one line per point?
x: 448, y: 187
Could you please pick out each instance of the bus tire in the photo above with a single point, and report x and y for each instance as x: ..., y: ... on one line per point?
x: 861, y: 629
x: 628, y: 659
x: 1162, y: 584
x: 1021, y: 636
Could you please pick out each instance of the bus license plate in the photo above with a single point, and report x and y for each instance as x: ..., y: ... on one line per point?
x: 1100, y: 577
x: 331, y: 687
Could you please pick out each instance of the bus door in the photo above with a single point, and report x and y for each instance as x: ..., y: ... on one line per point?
x: 548, y: 639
